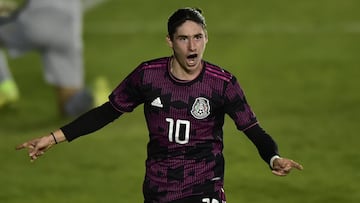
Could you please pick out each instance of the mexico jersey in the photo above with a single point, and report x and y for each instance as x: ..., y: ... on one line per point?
x: 185, y: 120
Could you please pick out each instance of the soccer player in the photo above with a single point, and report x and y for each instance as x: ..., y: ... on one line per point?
x: 53, y: 28
x: 185, y: 100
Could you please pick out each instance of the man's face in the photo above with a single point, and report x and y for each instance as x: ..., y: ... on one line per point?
x: 188, y: 44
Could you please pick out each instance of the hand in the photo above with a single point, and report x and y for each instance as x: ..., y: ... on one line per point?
x: 37, y: 146
x: 283, y: 166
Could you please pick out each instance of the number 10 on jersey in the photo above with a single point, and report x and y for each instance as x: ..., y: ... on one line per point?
x: 182, y: 130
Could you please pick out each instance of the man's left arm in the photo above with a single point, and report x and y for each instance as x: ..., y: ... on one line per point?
x: 268, y: 151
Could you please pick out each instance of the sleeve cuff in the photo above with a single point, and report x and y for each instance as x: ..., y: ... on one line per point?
x: 273, y: 159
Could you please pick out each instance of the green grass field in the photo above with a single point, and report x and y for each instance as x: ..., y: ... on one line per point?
x: 298, y: 62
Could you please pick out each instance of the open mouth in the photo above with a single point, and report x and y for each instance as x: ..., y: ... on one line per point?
x: 192, y: 56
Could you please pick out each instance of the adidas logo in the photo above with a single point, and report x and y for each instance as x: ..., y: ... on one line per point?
x: 157, y: 102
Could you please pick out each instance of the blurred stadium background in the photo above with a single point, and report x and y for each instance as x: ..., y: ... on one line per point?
x: 298, y: 62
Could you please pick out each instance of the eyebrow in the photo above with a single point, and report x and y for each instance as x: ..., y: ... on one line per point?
x: 186, y: 36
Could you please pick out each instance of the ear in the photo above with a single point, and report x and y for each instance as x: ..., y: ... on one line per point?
x: 169, y: 42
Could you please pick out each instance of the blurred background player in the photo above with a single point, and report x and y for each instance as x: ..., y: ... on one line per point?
x: 54, y: 29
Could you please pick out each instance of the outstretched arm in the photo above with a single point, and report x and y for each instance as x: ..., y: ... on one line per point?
x: 268, y: 151
x: 87, y: 123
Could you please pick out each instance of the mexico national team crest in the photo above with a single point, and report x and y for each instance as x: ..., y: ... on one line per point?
x: 201, y: 108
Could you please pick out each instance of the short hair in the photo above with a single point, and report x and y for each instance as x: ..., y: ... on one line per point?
x: 182, y: 15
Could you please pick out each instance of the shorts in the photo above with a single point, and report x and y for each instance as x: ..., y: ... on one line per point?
x: 56, y: 34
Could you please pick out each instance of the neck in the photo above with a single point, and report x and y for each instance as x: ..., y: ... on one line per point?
x: 183, y: 73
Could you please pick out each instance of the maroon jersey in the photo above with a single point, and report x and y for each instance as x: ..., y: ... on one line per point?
x: 185, y: 121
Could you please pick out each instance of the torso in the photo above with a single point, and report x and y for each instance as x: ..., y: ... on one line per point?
x: 185, y: 120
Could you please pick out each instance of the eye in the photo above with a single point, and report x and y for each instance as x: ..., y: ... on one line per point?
x: 198, y: 37
x: 182, y: 38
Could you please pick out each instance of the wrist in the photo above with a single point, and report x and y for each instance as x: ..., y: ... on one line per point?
x: 53, y: 137
x: 273, y: 159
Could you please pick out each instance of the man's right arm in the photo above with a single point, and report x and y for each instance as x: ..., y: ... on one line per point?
x: 90, y: 121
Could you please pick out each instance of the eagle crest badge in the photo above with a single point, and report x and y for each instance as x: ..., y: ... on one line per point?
x: 201, y: 108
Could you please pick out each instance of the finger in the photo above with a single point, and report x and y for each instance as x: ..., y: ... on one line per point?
x: 32, y: 159
x: 39, y: 153
x: 22, y: 146
x: 288, y: 167
x: 279, y: 173
x: 33, y: 152
x: 297, y: 165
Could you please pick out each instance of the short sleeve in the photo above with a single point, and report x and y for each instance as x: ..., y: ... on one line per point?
x: 128, y: 95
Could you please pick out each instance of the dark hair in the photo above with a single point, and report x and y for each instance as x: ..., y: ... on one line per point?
x: 182, y: 15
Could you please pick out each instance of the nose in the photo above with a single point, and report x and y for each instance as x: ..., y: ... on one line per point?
x: 192, y: 45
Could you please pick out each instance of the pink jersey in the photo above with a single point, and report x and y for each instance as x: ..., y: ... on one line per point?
x: 185, y: 122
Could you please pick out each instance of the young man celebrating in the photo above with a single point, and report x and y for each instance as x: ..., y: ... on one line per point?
x: 185, y: 100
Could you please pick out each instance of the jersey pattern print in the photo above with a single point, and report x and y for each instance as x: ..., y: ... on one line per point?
x: 185, y: 120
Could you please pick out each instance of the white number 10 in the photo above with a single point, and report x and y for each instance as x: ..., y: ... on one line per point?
x: 180, y: 124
